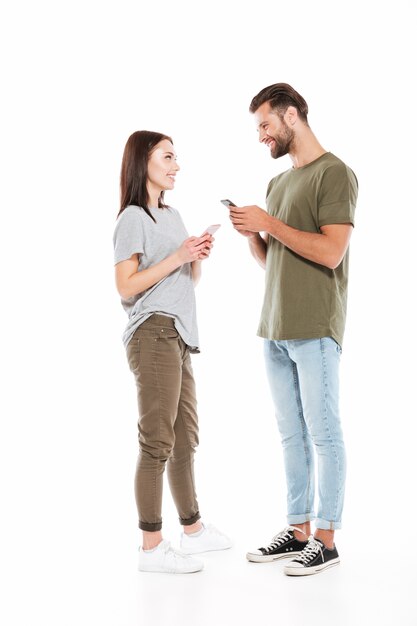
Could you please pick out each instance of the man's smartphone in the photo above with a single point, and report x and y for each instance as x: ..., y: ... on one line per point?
x: 211, y: 229
x: 227, y: 202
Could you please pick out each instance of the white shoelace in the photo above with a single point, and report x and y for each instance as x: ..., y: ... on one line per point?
x: 167, y: 548
x: 312, y: 549
x: 281, y: 538
x: 212, y: 529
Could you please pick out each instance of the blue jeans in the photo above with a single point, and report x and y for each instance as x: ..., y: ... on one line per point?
x: 304, y: 380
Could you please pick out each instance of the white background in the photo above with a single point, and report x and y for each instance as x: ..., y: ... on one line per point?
x: 77, y: 79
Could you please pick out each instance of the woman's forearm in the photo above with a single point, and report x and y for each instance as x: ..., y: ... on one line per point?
x: 196, y: 272
x: 133, y: 282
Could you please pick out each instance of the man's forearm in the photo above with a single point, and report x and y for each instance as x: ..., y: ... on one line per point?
x: 326, y: 248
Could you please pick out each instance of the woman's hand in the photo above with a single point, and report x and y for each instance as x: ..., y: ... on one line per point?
x: 195, y: 248
x: 205, y: 253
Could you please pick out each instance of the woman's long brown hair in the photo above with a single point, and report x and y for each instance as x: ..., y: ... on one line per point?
x: 134, y: 172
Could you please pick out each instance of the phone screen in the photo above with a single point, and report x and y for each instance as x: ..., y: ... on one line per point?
x: 211, y: 229
x: 227, y: 202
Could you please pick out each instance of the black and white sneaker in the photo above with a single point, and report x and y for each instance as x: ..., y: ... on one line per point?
x: 313, y: 559
x: 283, y: 546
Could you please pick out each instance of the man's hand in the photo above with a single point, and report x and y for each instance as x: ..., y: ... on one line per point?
x: 325, y: 248
x: 248, y: 220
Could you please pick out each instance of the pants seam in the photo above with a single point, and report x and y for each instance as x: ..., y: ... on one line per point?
x: 180, y: 416
x: 304, y: 430
x: 325, y: 417
x: 158, y: 382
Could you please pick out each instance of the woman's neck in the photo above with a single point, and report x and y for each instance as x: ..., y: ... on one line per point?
x: 154, y: 194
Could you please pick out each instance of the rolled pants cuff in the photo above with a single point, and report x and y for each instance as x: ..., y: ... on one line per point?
x: 300, y: 519
x: 192, y: 520
x: 326, y: 525
x: 150, y: 528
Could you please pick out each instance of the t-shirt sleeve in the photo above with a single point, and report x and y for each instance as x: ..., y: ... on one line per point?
x: 337, y: 196
x: 269, y: 188
x: 128, y: 236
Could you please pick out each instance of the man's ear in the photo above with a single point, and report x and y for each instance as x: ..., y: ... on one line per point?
x: 291, y: 116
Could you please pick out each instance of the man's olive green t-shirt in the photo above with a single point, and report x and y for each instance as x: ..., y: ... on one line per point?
x: 305, y: 300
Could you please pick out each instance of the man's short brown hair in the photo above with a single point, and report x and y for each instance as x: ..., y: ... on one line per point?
x: 280, y: 96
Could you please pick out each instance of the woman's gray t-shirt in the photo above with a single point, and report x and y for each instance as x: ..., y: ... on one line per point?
x: 137, y: 233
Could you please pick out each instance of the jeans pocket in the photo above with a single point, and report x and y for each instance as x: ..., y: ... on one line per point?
x: 332, y: 342
x: 168, y: 333
x: 338, y: 347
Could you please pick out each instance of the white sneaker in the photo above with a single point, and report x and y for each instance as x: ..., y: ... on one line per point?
x: 164, y: 558
x: 208, y: 539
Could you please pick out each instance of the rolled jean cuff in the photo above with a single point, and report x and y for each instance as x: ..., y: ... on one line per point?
x: 150, y: 528
x: 192, y: 520
x: 301, y: 519
x: 326, y: 525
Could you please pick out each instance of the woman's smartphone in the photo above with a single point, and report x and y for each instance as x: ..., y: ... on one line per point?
x: 211, y: 229
x: 228, y: 203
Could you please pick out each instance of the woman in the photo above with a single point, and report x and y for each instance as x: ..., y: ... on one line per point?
x: 157, y: 266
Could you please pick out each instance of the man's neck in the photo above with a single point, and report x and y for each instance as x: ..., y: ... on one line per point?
x: 306, y: 149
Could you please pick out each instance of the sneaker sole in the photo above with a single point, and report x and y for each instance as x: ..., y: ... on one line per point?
x: 308, y: 571
x: 157, y: 570
x: 204, y: 551
x: 259, y: 558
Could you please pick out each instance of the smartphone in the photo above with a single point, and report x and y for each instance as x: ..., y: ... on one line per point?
x: 228, y: 203
x: 211, y: 229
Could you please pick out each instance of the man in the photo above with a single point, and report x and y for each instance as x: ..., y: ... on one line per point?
x: 304, y: 250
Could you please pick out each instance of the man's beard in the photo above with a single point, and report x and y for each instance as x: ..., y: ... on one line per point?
x: 283, y: 142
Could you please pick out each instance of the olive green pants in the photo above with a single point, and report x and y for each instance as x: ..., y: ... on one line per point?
x: 168, y: 423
